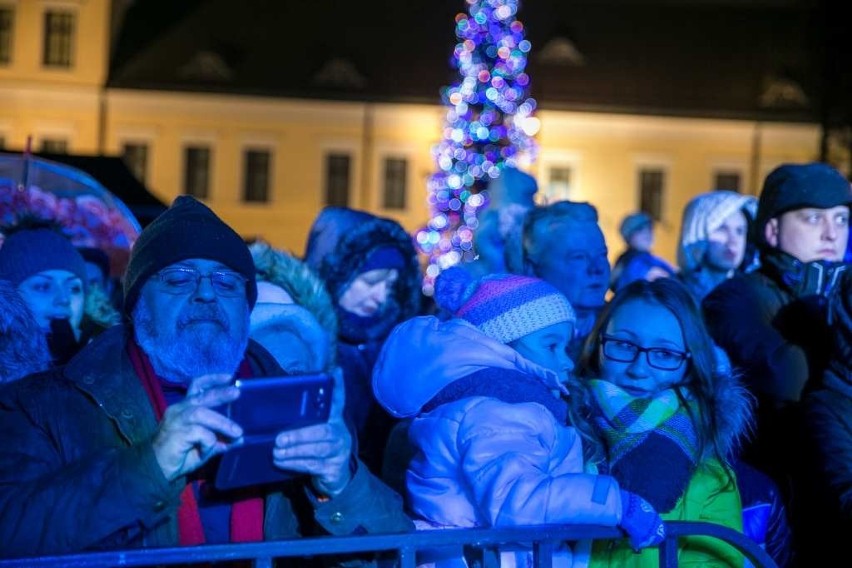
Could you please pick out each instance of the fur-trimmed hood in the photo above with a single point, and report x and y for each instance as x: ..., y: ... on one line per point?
x: 733, y: 415
x: 23, y: 348
x: 339, y: 242
x: 298, y: 279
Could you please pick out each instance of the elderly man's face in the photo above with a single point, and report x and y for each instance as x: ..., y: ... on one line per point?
x: 190, y: 326
x: 573, y: 258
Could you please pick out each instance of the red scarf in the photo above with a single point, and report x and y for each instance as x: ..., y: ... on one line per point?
x: 246, y: 515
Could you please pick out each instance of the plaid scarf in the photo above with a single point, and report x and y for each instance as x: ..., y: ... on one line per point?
x: 652, y: 444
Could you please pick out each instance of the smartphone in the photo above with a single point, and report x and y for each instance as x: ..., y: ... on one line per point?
x: 267, y: 406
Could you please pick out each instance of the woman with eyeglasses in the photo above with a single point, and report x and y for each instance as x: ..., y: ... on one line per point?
x: 666, y: 417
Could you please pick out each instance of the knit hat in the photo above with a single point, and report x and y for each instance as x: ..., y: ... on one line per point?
x: 386, y: 256
x: 188, y: 229
x: 796, y: 186
x: 633, y: 223
x: 704, y: 214
x: 30, y: 251
x: 507, y: 307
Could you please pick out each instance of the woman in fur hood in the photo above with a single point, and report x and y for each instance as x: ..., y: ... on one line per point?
x: 370, y: 269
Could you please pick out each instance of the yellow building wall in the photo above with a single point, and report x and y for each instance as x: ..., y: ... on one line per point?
x: 299, y: 133
x: 43, y: 102
x: 603, y: 151
x: 606, y: 152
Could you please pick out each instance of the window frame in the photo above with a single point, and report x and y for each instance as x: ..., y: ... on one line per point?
x: 64, y: 45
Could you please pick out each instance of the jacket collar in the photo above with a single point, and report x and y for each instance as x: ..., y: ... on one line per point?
x: 801, y: 278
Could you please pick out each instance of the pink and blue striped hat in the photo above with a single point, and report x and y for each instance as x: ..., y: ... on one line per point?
x: 507, y: 307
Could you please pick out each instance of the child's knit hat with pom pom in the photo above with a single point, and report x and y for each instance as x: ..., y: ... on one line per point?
x: 504, y: 307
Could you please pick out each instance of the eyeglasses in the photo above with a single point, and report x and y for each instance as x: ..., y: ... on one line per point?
x: 625, y: 351
x: 186, y: 281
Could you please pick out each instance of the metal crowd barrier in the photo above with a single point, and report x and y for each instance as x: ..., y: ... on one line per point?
x: 401, y: 546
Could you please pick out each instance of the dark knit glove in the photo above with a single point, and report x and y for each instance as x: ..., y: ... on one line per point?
x: 640, y: 521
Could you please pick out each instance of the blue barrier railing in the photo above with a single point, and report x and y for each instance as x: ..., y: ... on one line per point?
x: 404, y: 546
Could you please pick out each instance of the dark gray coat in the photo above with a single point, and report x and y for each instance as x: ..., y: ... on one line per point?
x: 78, y: 471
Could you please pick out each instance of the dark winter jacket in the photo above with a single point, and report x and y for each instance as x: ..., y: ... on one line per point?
x: 78, y: 470
x: 772, y: 324
x: 339, y: 243
x: 764, y: 513
x: 827, y: 483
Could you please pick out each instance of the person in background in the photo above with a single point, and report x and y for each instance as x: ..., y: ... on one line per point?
x: 712, y: 248
x: 510, y: 196
x: 115, y: 449
x: 371, y: 272
x: 294, y: 317
x: 826, y: 486
x: 488, y: 392
x: 713, y: 236
x: 562, y: 244
x: 637, y: 262
x: 23, y: 348
x: 667, y: 418
x: 772, y: 322
x: 50, y: 275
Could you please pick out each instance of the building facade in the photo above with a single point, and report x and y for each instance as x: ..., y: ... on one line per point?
x: 268, y: 164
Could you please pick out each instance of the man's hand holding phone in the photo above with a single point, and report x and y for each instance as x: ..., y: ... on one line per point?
x: 191, y: 431
x: 322, y: 451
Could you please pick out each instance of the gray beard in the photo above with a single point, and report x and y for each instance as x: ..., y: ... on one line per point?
x: 187, y: 351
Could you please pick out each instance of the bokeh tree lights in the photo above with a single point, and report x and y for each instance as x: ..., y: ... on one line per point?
x: 489, y: 124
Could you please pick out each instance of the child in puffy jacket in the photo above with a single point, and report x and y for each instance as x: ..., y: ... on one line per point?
x: 490, y: 430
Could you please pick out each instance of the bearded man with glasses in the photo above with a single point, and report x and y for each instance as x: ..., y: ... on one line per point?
x: 114, y: 450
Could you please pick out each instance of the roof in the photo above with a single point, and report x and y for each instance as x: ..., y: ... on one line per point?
x: 763, y: 59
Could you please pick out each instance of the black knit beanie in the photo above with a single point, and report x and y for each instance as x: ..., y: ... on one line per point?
x: 29, y: 251
x: 188, y: 229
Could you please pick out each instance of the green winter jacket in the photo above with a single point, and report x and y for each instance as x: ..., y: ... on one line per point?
x: 711, y: 497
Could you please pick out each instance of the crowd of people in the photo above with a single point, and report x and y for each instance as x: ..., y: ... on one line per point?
x: 537, y: 385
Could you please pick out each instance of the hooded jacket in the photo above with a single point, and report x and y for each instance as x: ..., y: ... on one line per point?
x: 701, y: 217
x: 489, y: 448
x: 339, y: 244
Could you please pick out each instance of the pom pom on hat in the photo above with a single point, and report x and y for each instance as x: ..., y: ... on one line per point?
x: 452, y: 287
x: 507, y: 307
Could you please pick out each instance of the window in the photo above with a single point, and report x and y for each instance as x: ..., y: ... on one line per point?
x: 7, y: 19
x: 136, y: 157
x: 396, y: 170
x: 58, y: 39
x: 256, y: 176
x: 651, y: 183
x: 727, y: 180
x: 54, y: 146
x: 2, y: 142
x: 337, y: 172
x: 559, y: 187
x: 196, y: 171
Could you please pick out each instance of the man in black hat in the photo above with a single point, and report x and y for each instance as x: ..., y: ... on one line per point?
x: 114, y: 450
x: 772, y: 322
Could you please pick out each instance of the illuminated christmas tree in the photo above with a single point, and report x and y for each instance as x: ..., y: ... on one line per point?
x: 489, y: 125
